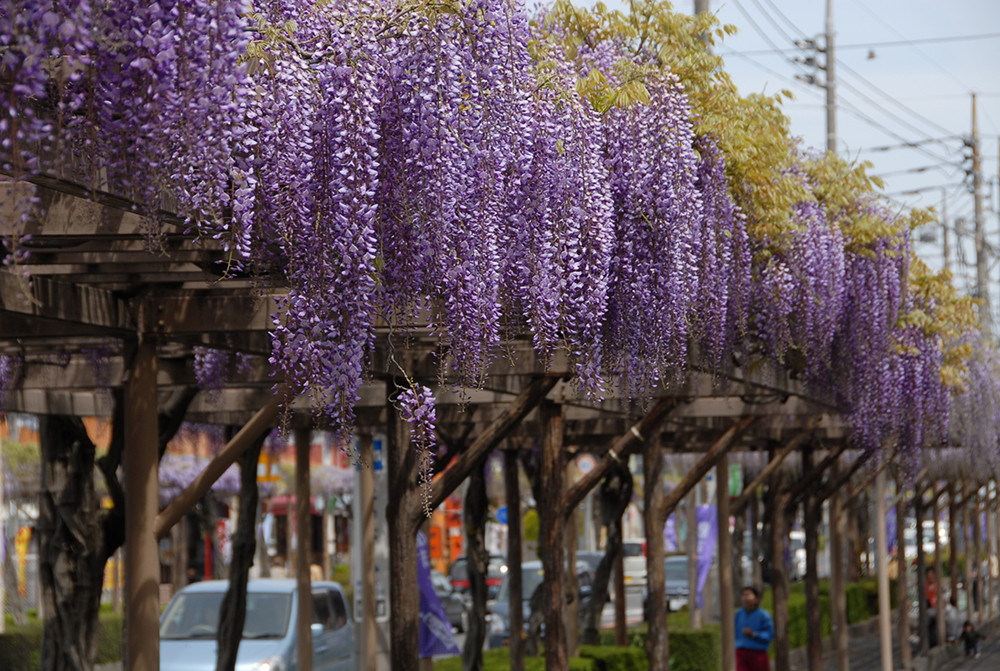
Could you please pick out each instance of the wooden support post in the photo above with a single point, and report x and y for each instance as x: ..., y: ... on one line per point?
x: 726, y: 600
x: 922, y: 616
x: 970, y: 611
x: 551, y: 542
x: 657, y: 642
x: 572, y: 610
x: 838, y: 595
x: 621, y: 626
x: 813, y: 518
x: 953, y: 541
x: 692, y: 552
x: 366, y: 499
x: 882, y: 569
x: 779, y: 577
x: 513, y: 496
x: 403, y: 515
x: 942, y: 598
x: 977, y: 574
x: 903, y: 599
x: 142, y: 560
x: 303, y: 557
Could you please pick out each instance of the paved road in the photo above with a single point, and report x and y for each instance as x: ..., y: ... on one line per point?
x: 988, y: 660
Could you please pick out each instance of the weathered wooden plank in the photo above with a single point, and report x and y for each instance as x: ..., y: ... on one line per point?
x: 79, y: 304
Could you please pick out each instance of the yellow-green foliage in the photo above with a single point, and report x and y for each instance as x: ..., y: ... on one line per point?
x: 940, y: 311
x: 751, y: 130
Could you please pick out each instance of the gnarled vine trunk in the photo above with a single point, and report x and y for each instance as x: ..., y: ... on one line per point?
x: 76, y: 535
x: 71, y: 552
x: 232, y: 612
x: 614, y: 495
x: 477, y: 560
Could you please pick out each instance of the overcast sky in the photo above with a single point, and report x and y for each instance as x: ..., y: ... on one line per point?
x: 888, y: 94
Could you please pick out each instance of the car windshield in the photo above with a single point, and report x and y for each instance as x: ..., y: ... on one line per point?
x: 196, y: 615
x: 530, y: 580
x: 677, y: 570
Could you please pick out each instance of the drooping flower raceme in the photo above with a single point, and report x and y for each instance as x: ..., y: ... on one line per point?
x: 416, y: 408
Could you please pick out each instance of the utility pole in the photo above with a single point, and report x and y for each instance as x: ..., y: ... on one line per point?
x: 982, y: 263
x: 946, y: 245
x: 831, y: 83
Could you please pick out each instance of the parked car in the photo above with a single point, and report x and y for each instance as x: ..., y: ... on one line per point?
x: 797, y: 554
x: 675, y: 569
x: 532, y: 576
x: 456, y: 604
x: 634, y: 551
x: 591, y: 559
x: 458, y: 574
x: 189, y: 627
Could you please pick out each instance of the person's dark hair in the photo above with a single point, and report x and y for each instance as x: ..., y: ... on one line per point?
x: 751, y: 588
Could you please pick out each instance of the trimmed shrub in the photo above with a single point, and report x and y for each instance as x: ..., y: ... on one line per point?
x: 696, y: 650
x: 690, y: 649
x: 615, y: 658
x: 21, y: 647
x: 499, y: 660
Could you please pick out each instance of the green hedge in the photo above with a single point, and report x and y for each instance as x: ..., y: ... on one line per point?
x: 690, y: 649
x: 615, y: 658
x: 499, y: 660
x: 21, y: 647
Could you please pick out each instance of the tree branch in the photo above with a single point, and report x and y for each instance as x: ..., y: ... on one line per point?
x: 498, y: 429
x: 725, y: 443
x: 624, y: 446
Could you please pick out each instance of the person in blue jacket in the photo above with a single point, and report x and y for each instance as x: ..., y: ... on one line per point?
x: 754, y: 633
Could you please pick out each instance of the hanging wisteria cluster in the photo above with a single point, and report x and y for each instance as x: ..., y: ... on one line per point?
x: 416, y: 408
x: 454, y: 168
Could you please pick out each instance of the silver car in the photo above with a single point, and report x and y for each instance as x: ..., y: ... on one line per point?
x: 189, y: 626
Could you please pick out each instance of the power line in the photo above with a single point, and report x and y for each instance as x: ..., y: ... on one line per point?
x: 911, y: 145
x: 788, y: 21
x: 893, y: 30
x: 918, y: 169
x: 885, y: 95
x: 873, y: 45
x: 846, y: 105
x: 757, y: 27
x: 774, y: 23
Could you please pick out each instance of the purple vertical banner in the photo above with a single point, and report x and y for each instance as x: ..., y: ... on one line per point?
x: 708, y: 527
x: 435, y: 630
x: 890, y: 528
x: 670, y: 534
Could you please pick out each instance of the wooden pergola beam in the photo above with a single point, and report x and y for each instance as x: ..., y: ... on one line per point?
x: 460, y: 468
x: 262, y: 421
x: 625, y: 445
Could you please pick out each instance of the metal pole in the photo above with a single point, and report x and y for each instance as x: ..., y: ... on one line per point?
x: 831, y: 83
x: 946, y: 241
x: 882, y: 551
x: 142, y: 560
x: 982, y: 262
x: 725, y: 565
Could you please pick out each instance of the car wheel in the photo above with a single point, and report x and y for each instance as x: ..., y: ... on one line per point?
x: 463, y: 621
